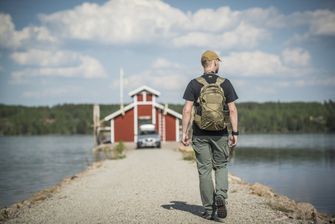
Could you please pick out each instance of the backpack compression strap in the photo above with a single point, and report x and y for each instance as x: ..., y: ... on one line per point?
x: 202, y: 81
x: 219, y: 81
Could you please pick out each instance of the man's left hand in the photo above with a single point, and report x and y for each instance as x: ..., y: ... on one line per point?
x: 232, y: 141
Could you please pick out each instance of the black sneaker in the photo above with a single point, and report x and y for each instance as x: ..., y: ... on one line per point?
x: 207, y: 215
x: 221, y: 207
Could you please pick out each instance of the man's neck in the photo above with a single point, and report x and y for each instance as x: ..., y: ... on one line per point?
x: 209, y: 72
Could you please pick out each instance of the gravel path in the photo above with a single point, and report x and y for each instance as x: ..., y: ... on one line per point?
x: 149, y: 186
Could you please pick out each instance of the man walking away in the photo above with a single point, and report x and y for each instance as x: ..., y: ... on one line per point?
x: 210, y: 93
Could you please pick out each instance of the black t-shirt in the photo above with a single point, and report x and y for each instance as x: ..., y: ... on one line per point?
x: 192, y: 93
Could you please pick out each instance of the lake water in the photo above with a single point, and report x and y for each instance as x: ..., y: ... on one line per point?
x: 300, y: 166
x: 31, y: 163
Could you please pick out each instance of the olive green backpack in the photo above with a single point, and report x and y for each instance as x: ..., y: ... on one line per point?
x: 210, y: 113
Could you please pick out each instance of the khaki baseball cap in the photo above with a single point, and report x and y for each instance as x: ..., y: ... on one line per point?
x: 209, y: 56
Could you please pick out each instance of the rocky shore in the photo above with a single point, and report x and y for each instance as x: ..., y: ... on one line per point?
x: 152, y: 186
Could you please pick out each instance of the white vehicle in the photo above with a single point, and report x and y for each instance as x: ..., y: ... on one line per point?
x: 148, y: 137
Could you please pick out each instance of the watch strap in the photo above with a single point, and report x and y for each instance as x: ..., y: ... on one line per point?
x: 235, y: 133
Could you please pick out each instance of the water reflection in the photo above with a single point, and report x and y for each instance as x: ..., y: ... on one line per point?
x: 266, y: 155
x: 31, y: 163
x: 292, y: 141
x: 301, y: 174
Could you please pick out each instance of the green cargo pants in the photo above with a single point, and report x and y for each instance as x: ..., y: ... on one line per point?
x: 211, y: 152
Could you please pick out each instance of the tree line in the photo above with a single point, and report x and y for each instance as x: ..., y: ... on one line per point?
x: 269, y: 117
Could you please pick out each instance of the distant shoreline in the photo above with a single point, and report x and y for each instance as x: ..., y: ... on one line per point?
x: 254, y: 118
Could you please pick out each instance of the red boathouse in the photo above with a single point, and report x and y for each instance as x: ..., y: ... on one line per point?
x: 144, y: 109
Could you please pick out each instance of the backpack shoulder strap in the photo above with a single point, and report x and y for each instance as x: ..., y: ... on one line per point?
x: 219, y: 81
x: 202, y: 81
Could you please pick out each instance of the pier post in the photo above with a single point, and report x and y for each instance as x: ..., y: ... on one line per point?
x: 96, y: 123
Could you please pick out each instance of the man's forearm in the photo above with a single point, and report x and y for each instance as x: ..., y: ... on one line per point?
x: 233, y: 119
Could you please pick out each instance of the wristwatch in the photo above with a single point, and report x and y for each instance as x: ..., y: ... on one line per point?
x: 234, y: 133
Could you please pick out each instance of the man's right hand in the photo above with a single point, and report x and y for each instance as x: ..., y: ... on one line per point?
x: 185, y: 140
x: 232, y: 141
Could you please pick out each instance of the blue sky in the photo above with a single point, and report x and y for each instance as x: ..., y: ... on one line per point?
x: 54, y: 52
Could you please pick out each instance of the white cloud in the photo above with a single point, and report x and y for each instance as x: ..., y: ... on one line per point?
x: 265, y: 89
x: 10, y: 38
x: 162, y: 74
x: 298, y: 38
x: 117, y: 21
x: 169, y: 76
x: 159, y: 22
x: 244, y: 36
x: 319, y: 22
x: 42, y: 63
x: 263, y: 17
x: 7, y: 30
x: 296, y: 57
x: 254, y: 63
x: 38, y: 57
x: 53, y: 92
x: 164, y: 63
x: 322, y: 22
x: 293, y: 62
x: 211, y: 20
x: 162, y: 23
x: 169, y: 81
x: 311, y: 81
